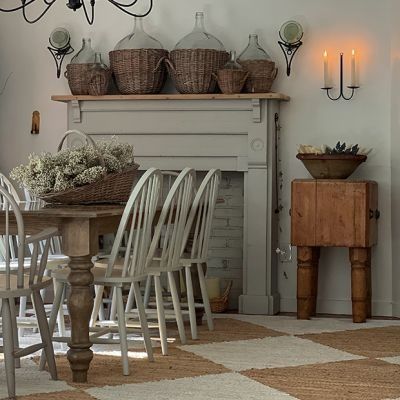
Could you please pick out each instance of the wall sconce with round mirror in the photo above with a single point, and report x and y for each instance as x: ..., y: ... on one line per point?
x: 291, y: 33
x: 60, y: 46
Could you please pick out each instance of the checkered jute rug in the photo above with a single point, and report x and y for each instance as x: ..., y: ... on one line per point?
x: 245, y: 358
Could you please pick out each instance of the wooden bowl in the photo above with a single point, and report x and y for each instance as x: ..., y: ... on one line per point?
x: 331, y: 166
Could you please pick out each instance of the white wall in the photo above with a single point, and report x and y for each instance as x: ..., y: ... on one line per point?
x: 310, y: 117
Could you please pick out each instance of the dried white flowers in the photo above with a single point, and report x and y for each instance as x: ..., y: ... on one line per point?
x: 49, y: 173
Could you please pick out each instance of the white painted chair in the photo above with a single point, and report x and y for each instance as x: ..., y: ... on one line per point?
x: 131, y: 269
x: 198, y: 227
x: 54, y: 260
x: 16, y: 284
x: 172, y: 223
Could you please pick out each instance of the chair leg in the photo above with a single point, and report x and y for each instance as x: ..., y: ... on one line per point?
x: 8, y: 347
x: 58, y: 297
x: 177, y: 307
x: 190, y: 298
x: 97, y: 303
x: 131, y: 300
x: 161, y: 315
x: 15, y: 330
x: 113, y: 308
x: 204, y: 295
x: 45, y: 333
x: 147, y: 292
x: 122, y: 330
x: 22, y: 313
x: 60, y: 315
x: 143, y: 321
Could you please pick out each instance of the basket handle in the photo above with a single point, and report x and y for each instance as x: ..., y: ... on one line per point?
x: 274, y: 73
x: 245, y: 78
x: 227, y: 290
x: 215, y: 76
x: 160, y: 61
x: 88, y: 139
x: 170, y: 65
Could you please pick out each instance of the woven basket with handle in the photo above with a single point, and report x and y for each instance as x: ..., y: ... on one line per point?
x: 262, y: 74
x: 231, y: 80
x: 192, y: 69
x: 112, y: 188
x: 220, y: 304
x: 139, y: 71
x: 77, y: 75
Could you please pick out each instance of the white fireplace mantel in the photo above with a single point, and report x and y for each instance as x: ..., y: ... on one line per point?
x: 229, y: 132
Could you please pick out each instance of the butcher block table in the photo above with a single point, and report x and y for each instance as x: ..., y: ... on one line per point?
x: 339, y: 213
x: 80, y: 227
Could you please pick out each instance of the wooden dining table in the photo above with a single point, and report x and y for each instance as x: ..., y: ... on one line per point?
x: 80, y: 228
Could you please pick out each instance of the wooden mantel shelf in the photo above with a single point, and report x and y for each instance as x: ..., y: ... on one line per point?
x: 174, y: 96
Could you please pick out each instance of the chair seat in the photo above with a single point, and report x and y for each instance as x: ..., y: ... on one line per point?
x: 99, y: 278
x: 53, y: 261
x: 14, y: 291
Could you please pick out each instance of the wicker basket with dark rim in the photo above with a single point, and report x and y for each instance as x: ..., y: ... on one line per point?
x: 139, y: 71
x: 231, y: 80
x: 112, y: 188
x: 262, y: 74
x: 77, y: 75
x: 192, y: 69
x: 220, y: 304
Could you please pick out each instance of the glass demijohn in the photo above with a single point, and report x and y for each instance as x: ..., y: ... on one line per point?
x: 232, y: 64
x: 85, y: 55
x: 253, y: 51
x: 199, y: 38
x: 98, y: 65
x: 138, y: 39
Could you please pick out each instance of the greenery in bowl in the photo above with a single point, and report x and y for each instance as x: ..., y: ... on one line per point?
x: 74, y: 167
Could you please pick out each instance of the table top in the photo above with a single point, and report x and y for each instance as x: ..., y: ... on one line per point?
x: 35, y: 208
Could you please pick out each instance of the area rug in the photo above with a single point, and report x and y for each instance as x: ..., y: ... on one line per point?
x: 244, y: 358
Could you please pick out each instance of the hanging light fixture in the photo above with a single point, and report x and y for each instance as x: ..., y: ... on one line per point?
x: 87, y: 5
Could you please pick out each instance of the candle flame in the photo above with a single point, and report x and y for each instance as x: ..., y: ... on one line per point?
x: 353, y: 52
x: 325, y: 53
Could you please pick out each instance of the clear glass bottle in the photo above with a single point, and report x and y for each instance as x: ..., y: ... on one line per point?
x: 138, y: 39
x: 232, y: 63
x: 86, y: 54
x: 98, y: 77
x: 253, y: 51
x: 199, y: 38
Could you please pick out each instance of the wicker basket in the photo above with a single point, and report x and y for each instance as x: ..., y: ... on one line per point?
x: 231, y: 80
x: 262, y: 74
x: 98, y: 82
x: 112, y: 188
x: 139, y: 71
x: 220, y: 304
x: 192, y: 69
x: 77, y: 75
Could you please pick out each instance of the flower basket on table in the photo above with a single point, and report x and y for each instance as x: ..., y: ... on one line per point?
x: 102, y: 172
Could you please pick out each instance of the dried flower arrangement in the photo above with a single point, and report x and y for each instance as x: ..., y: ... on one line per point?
x: 339, y: 149
x: 72, y: 168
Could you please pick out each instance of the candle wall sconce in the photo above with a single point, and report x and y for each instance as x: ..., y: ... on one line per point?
x: 352, y: 86
x: 60, y: 47
x: 291, y: 33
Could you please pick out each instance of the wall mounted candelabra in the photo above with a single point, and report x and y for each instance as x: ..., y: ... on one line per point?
x: 353, y: 86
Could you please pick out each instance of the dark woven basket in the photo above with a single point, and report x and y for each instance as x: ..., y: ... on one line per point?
x: 77, y: 75
x: 98, y: 82
x: 262, y: 74
x: 139, y: 71
x: 112, y: 188
x: 231, y: 80
x: 192, y: 69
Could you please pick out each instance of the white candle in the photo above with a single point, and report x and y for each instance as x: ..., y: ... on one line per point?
x: 326, y: 70
x: 353, y: 68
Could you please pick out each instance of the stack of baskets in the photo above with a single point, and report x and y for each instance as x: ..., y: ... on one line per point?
x: 193, y: 70
x: 139, y: 71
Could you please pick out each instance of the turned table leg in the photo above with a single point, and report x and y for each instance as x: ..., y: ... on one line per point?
x: 80, y: 306
x: 307, y: 281
x: 360, y: 259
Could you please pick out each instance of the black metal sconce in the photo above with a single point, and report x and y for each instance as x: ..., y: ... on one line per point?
x: 353, y: 85
x: 291, y: 33
x: 60, y: 47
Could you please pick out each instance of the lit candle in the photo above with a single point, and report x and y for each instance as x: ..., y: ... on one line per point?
x: 326, y: 70
x: 353, y: 68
